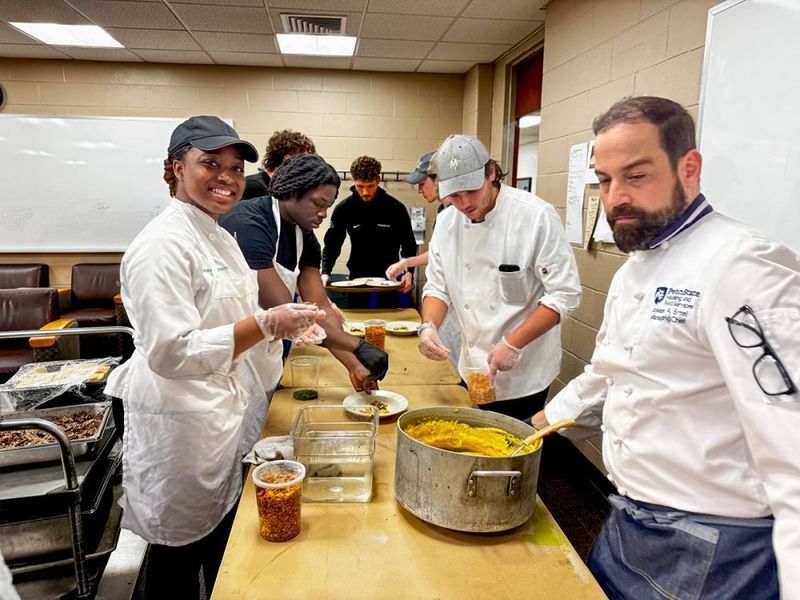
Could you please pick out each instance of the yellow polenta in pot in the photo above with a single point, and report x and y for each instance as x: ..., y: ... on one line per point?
x: 458, y: 436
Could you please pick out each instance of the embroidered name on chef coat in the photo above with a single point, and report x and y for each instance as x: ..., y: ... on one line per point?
x: 673, y: 305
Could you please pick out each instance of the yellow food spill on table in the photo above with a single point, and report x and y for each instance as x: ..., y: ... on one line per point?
x: 467, y: 439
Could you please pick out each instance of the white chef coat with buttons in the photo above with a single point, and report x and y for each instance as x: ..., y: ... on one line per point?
x: 685, y: 423
x: 463, y: 272
x: 185, y: 283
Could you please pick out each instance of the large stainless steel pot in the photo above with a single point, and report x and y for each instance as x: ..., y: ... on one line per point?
x: 460, y: 491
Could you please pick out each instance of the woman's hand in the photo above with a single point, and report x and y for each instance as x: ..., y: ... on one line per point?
x: 287, y: 321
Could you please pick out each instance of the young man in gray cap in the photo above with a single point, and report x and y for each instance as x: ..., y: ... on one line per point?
x: 501, y: 262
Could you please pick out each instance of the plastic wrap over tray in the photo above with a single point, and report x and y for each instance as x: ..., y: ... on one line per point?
x: 36, y: 383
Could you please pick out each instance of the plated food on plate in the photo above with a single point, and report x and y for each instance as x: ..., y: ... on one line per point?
x: 388, y: 403
x: 355, y: 328
x: 402, y: 327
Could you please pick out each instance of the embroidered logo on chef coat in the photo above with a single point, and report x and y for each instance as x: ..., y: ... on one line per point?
x: 673, y: 305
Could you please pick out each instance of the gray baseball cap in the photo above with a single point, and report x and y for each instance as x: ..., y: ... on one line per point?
x: 461, y: 162
x: 420, y: 172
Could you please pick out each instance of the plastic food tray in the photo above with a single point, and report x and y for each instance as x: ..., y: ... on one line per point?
x: 49, y: 452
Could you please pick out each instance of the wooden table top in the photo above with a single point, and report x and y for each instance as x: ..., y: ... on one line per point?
x: 406, y: 365
x: 379, y: 550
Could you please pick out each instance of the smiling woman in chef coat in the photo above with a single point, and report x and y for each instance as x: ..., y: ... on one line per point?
x: 501, y: 262
x: 196, y: 387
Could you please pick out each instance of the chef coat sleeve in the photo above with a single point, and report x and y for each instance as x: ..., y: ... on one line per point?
x: 334, y: 238
x: 436, y: 284
x: 408, y: 244
x: 159, y: 277
x: 766, y: 277
x: 554, y: 263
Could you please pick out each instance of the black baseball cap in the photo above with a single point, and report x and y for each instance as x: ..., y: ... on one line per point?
x: 420, y: 172
x: 209, y: 133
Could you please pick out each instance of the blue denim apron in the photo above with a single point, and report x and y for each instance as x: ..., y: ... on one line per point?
x: 646, y: 551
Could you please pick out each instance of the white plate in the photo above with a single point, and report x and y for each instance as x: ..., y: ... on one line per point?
x: 355, y: 328
x: 380, y: 282
x: 402, y: 327
x: 395, y: 403
x: 344, y: 284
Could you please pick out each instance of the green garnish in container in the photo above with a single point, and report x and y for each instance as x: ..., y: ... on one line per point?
x: 305, y: 395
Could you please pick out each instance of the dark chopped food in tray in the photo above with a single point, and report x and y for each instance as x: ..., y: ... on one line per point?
x: 80, y: 425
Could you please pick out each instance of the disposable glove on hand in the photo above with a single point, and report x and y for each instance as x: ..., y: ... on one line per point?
x: 287, y: 321
x: 430, y: 344
x: 401, y: 266
x: 373, y: 358
x: 313, y: 335
x: 326, y: 279
x: 503, y: 357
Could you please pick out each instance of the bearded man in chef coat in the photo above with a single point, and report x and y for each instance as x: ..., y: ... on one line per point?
x: 692, y: 379
x: 502, y: 264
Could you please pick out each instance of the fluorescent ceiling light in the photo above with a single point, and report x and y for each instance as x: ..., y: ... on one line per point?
x: 529, y: 121
x: 56, y: 34
x: 316, y: 45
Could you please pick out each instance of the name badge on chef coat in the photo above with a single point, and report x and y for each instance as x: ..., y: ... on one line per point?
x: 673, y: 305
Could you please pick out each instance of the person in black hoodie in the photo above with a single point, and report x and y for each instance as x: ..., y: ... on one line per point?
x: 377, y: 223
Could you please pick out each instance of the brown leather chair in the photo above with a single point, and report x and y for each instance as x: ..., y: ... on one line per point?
x: 24, y: 275
x: 32, y: 308
x: 94, y: 301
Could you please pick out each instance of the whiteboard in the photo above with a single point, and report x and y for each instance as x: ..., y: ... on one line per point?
x: 80, y: 184
x: 749, y: 121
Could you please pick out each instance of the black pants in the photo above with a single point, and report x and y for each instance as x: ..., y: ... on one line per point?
x: 173, y: 572
x: 519, y: 408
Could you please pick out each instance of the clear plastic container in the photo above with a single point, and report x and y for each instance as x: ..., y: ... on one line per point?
x: 279, y: 487
x: 305, y: 377
x: 337, y: 446
x: 480, y: 389
x: 375, y: 332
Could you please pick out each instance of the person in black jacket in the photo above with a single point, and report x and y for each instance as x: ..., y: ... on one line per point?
x: 280, y: 146
x: 377, y: 223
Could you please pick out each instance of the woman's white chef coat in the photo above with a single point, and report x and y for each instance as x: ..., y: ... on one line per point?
x: 191, y: 409
x: 462, y: 271
x: 685, y: 423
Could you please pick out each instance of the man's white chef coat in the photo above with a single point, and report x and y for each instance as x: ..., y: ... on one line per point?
x: 463, y: 272
x: 685, y: 423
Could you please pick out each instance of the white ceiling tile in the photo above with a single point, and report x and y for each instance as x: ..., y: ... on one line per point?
x: 404, y: 27
x: 123, y: 13
x: 352, y: 25
x: 490, y: 31
x: 175, y: 56
x: 531, y: 10
x: 445, y: 66
x: 29, y: 51
x: 393, y: 48
x: 320, y: 6
x: 475, y: 52
x: 447, y: 8
x: 259, y: 3
x: 40, y: 11
x: 153, y: 39
x: 250, y: 59
x: 236, y: 42
x: 9, y: 35
x: 236, y: 19
x: 316, y: 62
x: 385, y: 64
x: 113, y: 54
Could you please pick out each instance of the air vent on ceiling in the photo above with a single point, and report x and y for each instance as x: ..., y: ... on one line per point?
x: 324, y: 24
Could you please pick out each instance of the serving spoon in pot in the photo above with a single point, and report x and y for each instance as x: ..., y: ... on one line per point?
x: 539, y: 434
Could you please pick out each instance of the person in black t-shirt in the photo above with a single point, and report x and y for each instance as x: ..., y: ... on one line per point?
x: 378, y: 225
x: 275, y: 234
x: 280, y: 146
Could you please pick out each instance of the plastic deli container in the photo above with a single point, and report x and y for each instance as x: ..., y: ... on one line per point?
x: 479, y: 386
x: 375, y: 332
x: 279, y: 489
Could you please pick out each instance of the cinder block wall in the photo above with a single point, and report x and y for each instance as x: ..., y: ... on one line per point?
x: 395, y: 117
x: 596, y: 52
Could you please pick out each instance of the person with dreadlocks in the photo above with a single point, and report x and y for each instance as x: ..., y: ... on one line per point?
x: 276, y: 235
x: 194, y: 391
x: 281, y: 145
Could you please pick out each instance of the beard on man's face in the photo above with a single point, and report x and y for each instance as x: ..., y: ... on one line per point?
x: 637, y: 236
